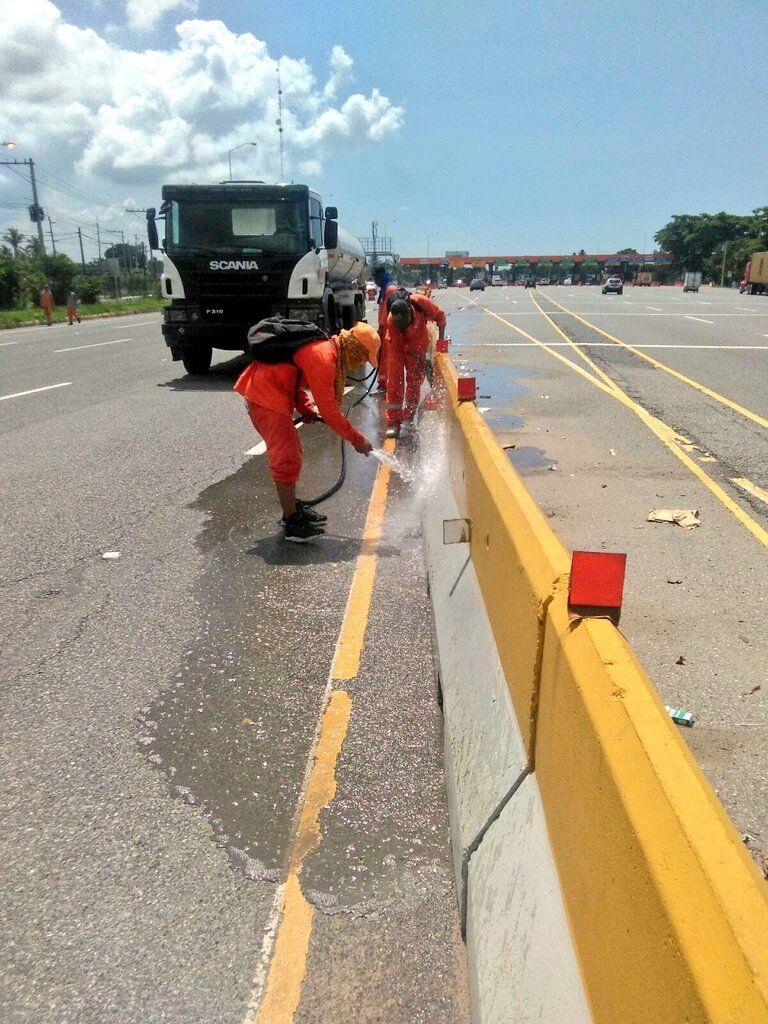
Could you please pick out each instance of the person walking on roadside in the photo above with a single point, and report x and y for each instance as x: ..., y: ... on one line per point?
x: 72, y: 313
x: 408, y: 341
x: 46, y: 303
x: 289, y: 356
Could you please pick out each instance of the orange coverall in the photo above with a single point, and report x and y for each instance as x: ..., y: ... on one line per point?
x: 274, y: 391
x: 47, y: 305
x: 382, y: 319
x: 407, y: 351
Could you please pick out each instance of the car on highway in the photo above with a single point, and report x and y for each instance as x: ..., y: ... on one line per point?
x: 497, y: 281
x: 529, y: 282
x: 613, y: 284
x: 477, y: 284
x: 568, y: 281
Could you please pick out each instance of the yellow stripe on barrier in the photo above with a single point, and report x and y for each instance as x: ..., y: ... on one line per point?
x: 516, y: 555
x: 668, y: 913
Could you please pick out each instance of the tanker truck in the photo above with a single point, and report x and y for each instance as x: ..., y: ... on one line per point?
x: 240, y: 251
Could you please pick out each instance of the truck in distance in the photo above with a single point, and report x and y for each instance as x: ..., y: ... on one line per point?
x: 755, y: 280
x: 692, y: 281
x: 239, y: 251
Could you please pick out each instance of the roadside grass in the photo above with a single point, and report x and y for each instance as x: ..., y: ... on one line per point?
x: 108, y: 307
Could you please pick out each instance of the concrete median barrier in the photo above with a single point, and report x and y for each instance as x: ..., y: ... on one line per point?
x: 598, y: 875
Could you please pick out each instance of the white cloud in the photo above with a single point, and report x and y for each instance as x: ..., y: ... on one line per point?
x: 143, y: 15
x: 95, y: 111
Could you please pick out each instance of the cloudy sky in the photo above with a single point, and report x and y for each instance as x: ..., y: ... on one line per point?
x: 502, y: 127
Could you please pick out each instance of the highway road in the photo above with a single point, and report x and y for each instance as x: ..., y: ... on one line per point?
x: 162, y: 709
x: 615, y: 405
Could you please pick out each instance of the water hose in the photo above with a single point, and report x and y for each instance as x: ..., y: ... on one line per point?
x: 311, y: 502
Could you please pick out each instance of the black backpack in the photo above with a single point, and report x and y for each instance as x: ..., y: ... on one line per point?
x: 275, y: 339
x: 401, y: 295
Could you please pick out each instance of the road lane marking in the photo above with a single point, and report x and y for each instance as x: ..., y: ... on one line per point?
x: 760, y: 420
x: 279, y: 976
x: 700, y: 319
x: 666, y: 434
x: 5, y: 344
x: 35, y: 391
x: 656, y: 309
x: 610, y: 344
x: 95, y: 344
x: 751, y: 488
x: 608, y: 380
x: 747, y: 309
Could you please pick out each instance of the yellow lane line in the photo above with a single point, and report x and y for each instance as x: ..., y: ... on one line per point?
x: 582, y: 355
x: 751, y: 488
x: 755, y: 417
x: 288, y: 963
x: 666, y: 434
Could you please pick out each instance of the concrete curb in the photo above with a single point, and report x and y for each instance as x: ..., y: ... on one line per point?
x: 666, y: 913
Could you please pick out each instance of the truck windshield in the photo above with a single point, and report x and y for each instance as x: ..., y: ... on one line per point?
x: 265, y: 226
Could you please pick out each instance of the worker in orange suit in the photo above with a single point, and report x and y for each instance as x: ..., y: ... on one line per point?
x: 274, y: 391
x: 386, y: 287
x: 408, y: 342
x: 46, y: 303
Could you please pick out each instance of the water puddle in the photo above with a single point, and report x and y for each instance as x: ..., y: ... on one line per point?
x: 528, y: 457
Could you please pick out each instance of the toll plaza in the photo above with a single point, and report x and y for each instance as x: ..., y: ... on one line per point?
x: 576, y: 268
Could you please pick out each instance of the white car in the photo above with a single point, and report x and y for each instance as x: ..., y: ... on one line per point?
x: 497, y: 281
x: 613, y: 284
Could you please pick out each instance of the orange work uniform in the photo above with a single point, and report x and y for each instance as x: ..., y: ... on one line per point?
x: 406, y: 354
x: 382, y: 321
x: 47, y: 305
x: 274, y: 391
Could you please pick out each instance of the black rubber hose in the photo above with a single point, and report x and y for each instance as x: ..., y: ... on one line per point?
x: 311, y: 502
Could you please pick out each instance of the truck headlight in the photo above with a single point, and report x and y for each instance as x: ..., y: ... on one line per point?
x: 175, y: 315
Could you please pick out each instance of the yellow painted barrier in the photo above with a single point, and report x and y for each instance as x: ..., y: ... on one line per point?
x: 667, y: 911
x: 516, y: 555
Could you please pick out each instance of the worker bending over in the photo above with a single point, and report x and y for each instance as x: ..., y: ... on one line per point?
x: 408, y: 344
x: 295, y: 355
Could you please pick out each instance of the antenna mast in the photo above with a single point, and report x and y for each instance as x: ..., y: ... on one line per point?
x: 279, y: 121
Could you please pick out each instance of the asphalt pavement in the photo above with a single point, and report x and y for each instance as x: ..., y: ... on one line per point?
x: 161, y: 708
x: 603, y: 434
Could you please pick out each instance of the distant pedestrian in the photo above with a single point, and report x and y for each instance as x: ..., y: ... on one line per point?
x: 72, y: 313
x: 46, y: 303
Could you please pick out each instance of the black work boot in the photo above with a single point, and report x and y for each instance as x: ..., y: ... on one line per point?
x: 300, y: 530
x: 309, y: 513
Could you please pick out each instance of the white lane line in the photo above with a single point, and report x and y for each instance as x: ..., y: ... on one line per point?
x: 96, y: 344
x: 610, y: 344
x: 700, y: 319
x: 35, y: 391
x: 627, y: 302
x: 656, y: 309
x: 747, y: 309
x: 261, y: 447
x: 5, y: 344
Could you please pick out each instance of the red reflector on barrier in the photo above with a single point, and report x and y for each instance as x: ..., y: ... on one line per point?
x: 466, y: 389
x: 597, y: 579
x: 441, y: 345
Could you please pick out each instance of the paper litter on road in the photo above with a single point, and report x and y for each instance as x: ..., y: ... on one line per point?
x: 679, y: 716
x: 111, y: 556
x: 685, y: 517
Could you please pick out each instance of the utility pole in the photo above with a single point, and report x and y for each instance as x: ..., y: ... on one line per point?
x: 53, y: 241
x: 98, y: 243
x: 39, y: 216
x: 82, y: 254
x: 279, y: 121
x: 722, y: 273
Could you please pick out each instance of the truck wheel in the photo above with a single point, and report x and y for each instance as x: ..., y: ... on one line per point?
x: 197, y: 361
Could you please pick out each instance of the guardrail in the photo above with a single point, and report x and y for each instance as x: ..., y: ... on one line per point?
x: 666, y: 911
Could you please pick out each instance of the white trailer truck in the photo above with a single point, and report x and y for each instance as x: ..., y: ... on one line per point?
x: 692, y: 281
x: 240, y: 251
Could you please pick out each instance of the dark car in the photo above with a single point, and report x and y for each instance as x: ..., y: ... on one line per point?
x: 530, y: 282
x: 613, y: 284
x: 477, y: 284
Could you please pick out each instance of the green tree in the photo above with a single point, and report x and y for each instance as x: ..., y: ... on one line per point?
x: 9, y: 284
x: 130, y: 256
x: 698, y: 241
x: 15, y: 239
x: 88, y: 288
x: 627, y: 252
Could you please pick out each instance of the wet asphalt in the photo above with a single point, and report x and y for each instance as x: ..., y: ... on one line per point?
x: 159, y: 708
x: 695, y: 601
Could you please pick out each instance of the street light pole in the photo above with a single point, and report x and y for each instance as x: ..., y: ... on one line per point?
x: 722, y: 273
x: 35, y: 200
x: 234, y: 149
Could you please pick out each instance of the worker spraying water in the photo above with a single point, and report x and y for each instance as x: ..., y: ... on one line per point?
x: 288, y: 356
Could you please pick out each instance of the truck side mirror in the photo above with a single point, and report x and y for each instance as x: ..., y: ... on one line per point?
x: 331, y: 233
x: 331, y: 213
x: 154, y: 241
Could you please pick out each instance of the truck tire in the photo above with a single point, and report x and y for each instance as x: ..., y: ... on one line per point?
x: 197, y: 361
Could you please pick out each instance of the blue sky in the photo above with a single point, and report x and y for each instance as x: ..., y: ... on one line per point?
x: 525, y: 127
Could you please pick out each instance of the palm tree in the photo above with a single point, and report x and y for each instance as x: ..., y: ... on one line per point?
x: 14, y: 238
